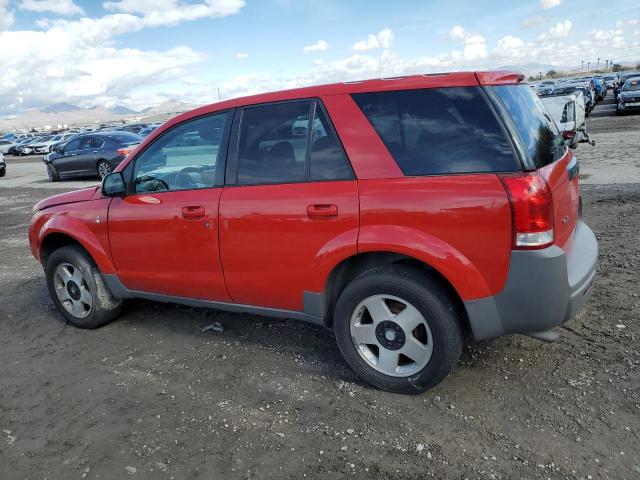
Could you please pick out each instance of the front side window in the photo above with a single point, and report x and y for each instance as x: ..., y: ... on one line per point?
x: 439, y: 130
x: 536, y: 129
x: 184, y: 158
x: 288, y: 143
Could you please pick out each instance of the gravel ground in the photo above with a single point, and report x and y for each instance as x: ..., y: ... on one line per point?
x: 151, y: 396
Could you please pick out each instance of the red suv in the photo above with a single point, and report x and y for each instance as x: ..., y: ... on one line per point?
x: 397, y: 212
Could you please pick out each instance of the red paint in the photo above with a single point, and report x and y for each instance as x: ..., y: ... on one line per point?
x: 266, y: 245
x: 168, y: 243
x: 273, y: 250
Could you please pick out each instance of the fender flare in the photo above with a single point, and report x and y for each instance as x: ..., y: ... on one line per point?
x: 80, y: 232
x: 456, y: 268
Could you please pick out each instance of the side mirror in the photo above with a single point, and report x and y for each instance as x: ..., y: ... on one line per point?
x: 113, y: 185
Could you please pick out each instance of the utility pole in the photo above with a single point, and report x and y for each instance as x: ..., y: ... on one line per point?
x: 218, y: 93
x: 588, y: 66
x: 598, y: 67
x: 582, y: 67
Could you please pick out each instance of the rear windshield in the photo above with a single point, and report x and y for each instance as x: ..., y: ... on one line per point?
x: 439, y: 130
x: 535, y: 128
x: 631, y: 85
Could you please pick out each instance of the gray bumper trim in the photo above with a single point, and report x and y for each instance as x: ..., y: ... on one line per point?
x: 544, y: 289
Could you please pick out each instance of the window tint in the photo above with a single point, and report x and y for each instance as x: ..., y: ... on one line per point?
x: 73, y: 145
x: 536, y: 129
x: 327, y: 159
x: 273, y: 143
x: 184, y: 158
x: 88, y: 143
x: 276, y: 145
x: 125, y: 138
x: 439, y: 131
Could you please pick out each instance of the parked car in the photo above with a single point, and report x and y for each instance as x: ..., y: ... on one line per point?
x: 622, y: 79
x: 89, y: 155
x: 568, y: 112
x: 16, y: 148
x: 629, y: 96
x: 416, y: 211
x: 5, y: 145
x: 610, y: 81
x: 132, y: 127
x: 3, y: 165
x: 146, y: 131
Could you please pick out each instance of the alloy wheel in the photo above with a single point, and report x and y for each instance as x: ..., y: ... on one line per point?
x: 72, y: 290
x: 104, y: 169
x: 391, y: 335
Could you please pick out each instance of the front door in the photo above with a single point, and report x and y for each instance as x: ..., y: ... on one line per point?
x: 292, y: 208
x: 164, y: 234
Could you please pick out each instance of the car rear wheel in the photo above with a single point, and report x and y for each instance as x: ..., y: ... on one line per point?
x: 52, y: 172
x: 398, y: 329
x: 78, y: 289
x: 3, y: 171
x: 104, y: 168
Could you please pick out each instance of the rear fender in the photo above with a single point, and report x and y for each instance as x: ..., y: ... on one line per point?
x: 463, y: 276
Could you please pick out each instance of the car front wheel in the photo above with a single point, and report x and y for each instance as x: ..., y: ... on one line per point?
x: 398, y: 329
x: 78, y: 289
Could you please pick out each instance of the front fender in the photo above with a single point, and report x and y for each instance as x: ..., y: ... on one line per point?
x: 88, y: 227
x: 465, y: 278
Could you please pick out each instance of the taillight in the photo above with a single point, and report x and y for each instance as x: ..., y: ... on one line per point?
x: 532, y: 210
x: 568, y: 134
x: 125, y: 151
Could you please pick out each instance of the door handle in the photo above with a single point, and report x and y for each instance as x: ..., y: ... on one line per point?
x: 322, y: 210
x: 193, y: 212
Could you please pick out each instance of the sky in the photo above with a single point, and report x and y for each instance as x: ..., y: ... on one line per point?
x: 139, y: 53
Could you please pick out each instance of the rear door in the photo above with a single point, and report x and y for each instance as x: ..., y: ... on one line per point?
x: 290, y: 206
x: 543, y: 148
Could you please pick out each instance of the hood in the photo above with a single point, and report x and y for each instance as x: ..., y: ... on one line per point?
x: 70, y: 197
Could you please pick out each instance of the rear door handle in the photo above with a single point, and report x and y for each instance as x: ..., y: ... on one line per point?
x: 322, y: 210
x: 193, y: 212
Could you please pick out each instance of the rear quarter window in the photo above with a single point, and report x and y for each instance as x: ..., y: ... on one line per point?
x: 533, y: 124
x: 439, y: 131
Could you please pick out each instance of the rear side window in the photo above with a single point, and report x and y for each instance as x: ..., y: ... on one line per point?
x: 537, y: 131
x: 288, y: 143
x: 439, y: 131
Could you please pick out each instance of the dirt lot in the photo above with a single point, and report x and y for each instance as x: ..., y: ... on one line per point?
x: 150, y: 396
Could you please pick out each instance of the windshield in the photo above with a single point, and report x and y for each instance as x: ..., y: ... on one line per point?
x: 633, y: 84
x: 537, y: 131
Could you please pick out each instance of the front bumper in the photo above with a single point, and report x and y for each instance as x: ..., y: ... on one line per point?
x: 544, y: 289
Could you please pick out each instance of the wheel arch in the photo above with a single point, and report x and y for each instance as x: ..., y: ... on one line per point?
x: 353, y: 266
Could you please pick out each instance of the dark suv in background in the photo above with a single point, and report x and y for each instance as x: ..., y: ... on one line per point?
x: 90, y: 155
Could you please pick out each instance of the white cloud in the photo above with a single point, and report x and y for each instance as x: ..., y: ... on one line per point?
x: 319, y: 46
x: 475, y: 46
x: 559, y: 30
x: 6, y: 16
x: 531, y: 22
x: 171, y: 12
x: 382, y: 39
x: 58, y: 7
x: 546, y: 4
x: 242, y: 55
x: 605, y: 34
x: 510, y: 47
x: 78, y: 61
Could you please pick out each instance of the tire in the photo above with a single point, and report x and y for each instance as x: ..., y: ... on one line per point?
x: 103, y: 168
x: 423, y: 296
x: 3, y: 171
x: 78, y: 289
x: 52, y: 171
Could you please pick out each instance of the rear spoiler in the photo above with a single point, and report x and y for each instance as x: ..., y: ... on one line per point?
x: 504, y: 77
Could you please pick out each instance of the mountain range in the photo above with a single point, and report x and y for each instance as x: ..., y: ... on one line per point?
x: 63, y: 113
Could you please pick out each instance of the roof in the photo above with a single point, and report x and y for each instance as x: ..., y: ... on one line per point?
x: 431, y: 80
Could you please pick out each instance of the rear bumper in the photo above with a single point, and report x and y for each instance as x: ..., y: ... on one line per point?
x: 544, y: 289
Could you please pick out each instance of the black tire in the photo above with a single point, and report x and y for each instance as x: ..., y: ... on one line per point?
x: 52, y: 171
x: 105, y: 307
x: 427, y: 295
x: 103, y: 166
x: 3, y: 171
